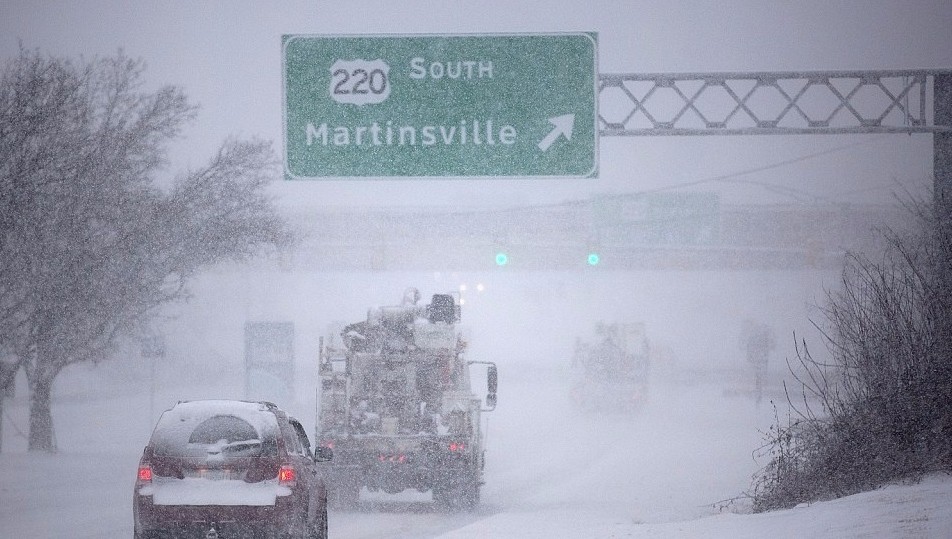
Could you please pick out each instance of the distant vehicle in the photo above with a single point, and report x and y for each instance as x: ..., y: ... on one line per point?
x: 221, y: 468
x: 610, y: 372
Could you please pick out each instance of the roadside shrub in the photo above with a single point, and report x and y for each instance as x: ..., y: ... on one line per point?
x: 881, y: 408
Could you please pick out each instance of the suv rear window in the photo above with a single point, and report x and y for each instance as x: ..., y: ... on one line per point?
x: 223, y: 428
x: 204, y: 428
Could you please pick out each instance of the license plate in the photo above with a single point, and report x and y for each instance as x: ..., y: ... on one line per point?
x: 215, y: 475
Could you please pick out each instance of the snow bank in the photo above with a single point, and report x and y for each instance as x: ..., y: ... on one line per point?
x: 922, y: 510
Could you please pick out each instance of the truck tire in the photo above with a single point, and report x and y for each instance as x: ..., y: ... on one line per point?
x: 319, y: 531
x: 469, y: 496
x: 441, y: 497
x: 343, y: 495
x: 463, y: 496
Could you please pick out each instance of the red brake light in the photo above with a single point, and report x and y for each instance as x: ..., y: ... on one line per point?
x: 145, y: 474
x: 457, y: 446
x: 286, y: 475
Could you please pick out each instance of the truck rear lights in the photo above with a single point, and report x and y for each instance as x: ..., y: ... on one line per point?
x: 457, y: 447
x: 399, y: 459
x: 145, y: 473
x: 286, y: 476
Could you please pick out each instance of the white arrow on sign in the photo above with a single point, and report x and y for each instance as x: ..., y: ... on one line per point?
x: 563, y: 126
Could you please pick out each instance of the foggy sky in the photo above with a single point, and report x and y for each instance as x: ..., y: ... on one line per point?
x: 227, y: 56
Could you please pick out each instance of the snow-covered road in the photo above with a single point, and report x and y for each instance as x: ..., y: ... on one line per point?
x: 552, y: 472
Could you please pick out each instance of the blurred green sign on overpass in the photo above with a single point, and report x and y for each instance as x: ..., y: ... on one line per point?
x: 657, y: 218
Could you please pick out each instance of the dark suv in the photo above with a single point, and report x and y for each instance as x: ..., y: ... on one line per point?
x: 222, y: 468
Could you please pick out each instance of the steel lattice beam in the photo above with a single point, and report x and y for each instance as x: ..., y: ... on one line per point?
x: 819, y: 102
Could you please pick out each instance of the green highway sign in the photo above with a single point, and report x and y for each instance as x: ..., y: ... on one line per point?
x: 478, y: 105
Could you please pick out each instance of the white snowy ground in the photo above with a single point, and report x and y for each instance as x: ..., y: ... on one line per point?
x: 564, y: 474
x: 87, y: 496
x: 918, y: 510
x: 552, y: 471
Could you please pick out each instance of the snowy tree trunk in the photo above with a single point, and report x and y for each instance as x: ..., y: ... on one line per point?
x: 7, y: 373
x: 41, y: 415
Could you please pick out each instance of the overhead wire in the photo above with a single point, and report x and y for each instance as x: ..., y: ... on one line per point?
x: 780, y: 189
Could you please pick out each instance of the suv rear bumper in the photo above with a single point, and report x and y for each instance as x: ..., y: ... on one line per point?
x: 197, y: 520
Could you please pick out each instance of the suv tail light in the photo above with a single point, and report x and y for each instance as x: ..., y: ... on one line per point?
x: 145, y: 474
x: 286, y: 476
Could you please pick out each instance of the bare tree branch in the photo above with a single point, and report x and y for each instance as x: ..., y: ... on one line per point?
x: 87, y: 242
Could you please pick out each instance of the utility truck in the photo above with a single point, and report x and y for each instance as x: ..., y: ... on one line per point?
x: 397, y: 408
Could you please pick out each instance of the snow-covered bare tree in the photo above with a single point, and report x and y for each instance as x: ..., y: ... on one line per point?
x: 89, y: 245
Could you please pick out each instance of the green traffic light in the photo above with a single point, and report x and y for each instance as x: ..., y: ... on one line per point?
x: 502, y: 259
x: 593, y: 259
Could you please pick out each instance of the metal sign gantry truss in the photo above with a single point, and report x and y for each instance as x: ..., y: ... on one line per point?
x: 786, y: 103
x: 817, y: 102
